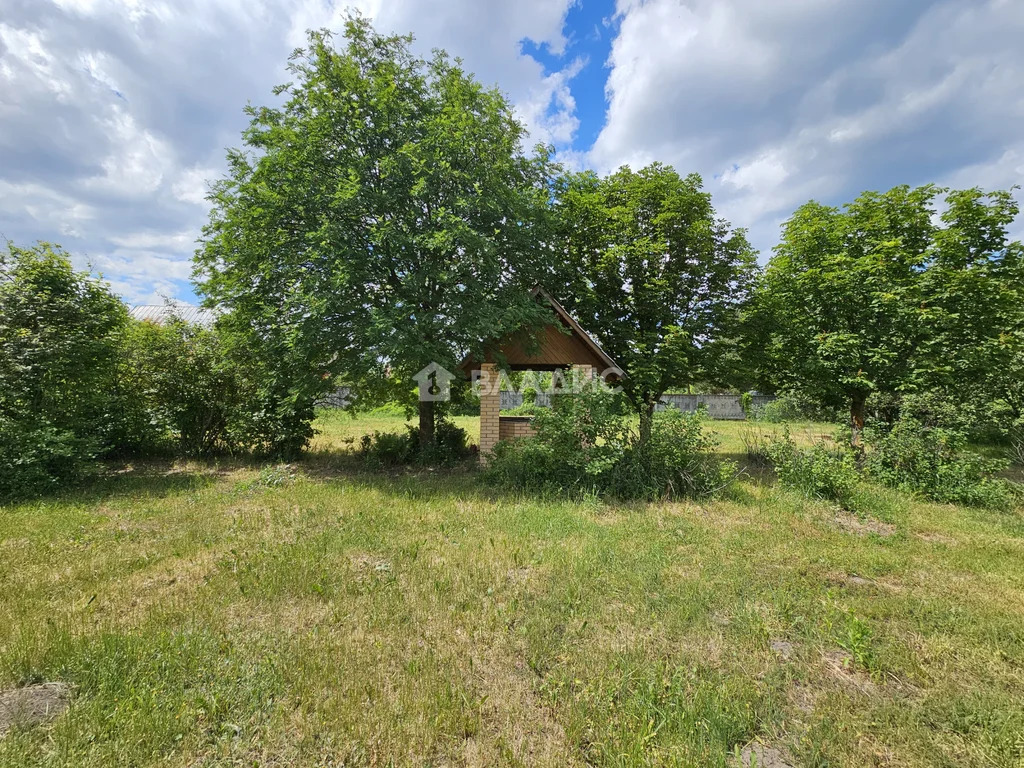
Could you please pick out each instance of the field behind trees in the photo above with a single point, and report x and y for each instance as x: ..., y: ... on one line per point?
x: 308, y: 614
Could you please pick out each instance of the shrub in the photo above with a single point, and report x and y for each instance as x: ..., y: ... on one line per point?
x: 819, y: 472
x: 935, y: 463
x: 59, y: 332
x: 189, y: 388
x: 393, y: 449
x: 792, y: 406
x: 583, y: 445
x: 38, y: 457
x: 678, y: 461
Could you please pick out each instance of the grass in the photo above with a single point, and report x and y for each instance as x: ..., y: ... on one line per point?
x: 223, y: 614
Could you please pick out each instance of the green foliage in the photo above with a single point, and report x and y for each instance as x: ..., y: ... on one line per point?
x: 792, y: 406
x: 678, y: 461
x: 59, y: 332
x: 382, y: 450
x: 183, y: 382
x: 842, y: 296
x: 854, y: 635
x: 747, y: 404
x: 819, y: 472
x: 687, y: 272
x: 382, y: 218
x: 36, y: 457
x: 887, y: 297
x: 935, y: 463
x: 579, y: 439
x: 584, y: 445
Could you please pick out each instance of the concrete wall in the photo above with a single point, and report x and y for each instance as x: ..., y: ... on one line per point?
x: 339, y: 398
x: 726, y: 407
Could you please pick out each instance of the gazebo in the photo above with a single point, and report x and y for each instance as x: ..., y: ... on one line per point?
x: 559, y: 346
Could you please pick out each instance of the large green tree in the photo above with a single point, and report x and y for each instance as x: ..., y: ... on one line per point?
x: 973, y: 293
x: 887, y: 296
x: 653, y: 273
x: 383, y: 218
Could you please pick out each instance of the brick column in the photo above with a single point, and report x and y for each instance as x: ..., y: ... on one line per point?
x: 490, y: 408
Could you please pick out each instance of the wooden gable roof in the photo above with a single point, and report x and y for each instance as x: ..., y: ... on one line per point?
x: 560, y: 344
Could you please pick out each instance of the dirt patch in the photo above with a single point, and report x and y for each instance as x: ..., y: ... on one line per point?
x: 763, y: 756
x: 367, y: 566
x: 783, y: 648
x: 936, y: 538
x: 514, y: 717
x: 32, y: 705
x: 840, y: 666
x: 841, y: 579
x: 803, y: 697
x: 853, y: 524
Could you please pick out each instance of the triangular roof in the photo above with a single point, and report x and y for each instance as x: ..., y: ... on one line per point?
x: 557, y: 349
x: 538, y: 290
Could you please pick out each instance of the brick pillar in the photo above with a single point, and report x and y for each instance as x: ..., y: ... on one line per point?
x: 490, y: 408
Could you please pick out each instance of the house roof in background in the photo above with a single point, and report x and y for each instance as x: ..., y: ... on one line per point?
x: 174, y: 310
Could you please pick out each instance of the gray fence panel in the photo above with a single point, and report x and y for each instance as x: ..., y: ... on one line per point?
x: 511, y: 399
x: 339, y: 398
x: 725, y: 407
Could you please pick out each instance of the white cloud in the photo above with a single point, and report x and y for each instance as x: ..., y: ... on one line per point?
x: 137, y: 161
x: 777, y: 103
x: 117, y: 113
x: 193, y: 183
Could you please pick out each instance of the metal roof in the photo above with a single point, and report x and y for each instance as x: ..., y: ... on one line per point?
x: 179, y: 310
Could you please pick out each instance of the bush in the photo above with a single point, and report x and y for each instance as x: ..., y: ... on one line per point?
x: 181, y: 383
x: 935, y: 463
x: 819, y: 472
x: 583, y: 445
x: 792, y: 406
x: 36, y: 458
x: 59, y: 332
x: 678, y: 461
x: 393, y: 449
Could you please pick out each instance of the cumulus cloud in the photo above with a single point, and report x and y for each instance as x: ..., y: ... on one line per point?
x: 777, y: 103
x: 116, y: 114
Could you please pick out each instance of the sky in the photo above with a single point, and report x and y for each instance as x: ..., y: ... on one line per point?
x: 115, y: 114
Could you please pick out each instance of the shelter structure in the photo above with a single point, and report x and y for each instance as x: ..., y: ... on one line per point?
x: 560, y: 346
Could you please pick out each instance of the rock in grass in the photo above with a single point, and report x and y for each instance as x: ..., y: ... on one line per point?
x: 32, y: 705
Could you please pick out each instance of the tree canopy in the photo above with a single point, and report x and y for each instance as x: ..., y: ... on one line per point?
x: 888, y: 296
x: 653, y: 273
x: 385, y: 217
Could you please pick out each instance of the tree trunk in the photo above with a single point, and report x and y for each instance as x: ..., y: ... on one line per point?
x: 426, y: 422
x: 646, y: 421
x: 857, y: 421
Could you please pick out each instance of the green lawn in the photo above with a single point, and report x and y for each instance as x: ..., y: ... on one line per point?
x: 225, y: 614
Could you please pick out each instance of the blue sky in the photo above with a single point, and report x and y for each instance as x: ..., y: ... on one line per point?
x: 114, y: 114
